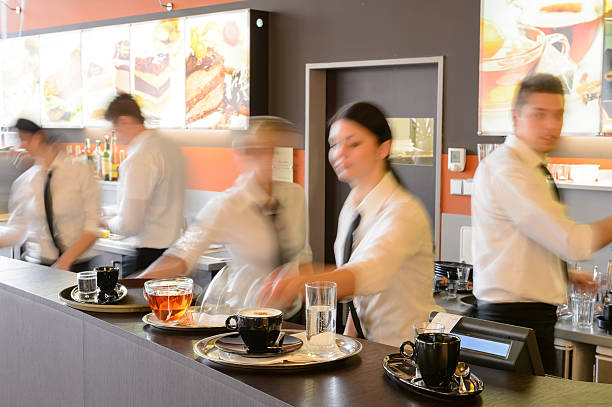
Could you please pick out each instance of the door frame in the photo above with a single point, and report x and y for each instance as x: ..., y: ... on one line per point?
x: 315, y: 143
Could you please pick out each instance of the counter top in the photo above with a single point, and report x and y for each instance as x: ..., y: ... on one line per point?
x: 359, y: 381
x: 563, y: 329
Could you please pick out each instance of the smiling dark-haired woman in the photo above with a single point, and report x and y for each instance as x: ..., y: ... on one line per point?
x: 384, y: 245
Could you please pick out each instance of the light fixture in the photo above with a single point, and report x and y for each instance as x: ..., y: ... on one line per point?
x: 16, y: 9
x: 167, y: 6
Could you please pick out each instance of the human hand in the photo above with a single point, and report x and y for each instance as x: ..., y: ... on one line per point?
x: 63, y: 263
x: 583, y: 281
x: 280, y: 292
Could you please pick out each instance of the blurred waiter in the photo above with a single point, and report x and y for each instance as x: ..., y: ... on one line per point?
x: 522, y: 235
x: 54, y: 205
x: 151, y: 186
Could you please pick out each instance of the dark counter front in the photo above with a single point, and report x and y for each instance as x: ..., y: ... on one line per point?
x: 53, y: 355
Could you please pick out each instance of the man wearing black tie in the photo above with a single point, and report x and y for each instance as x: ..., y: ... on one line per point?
x: 522, y: 235
x: 54, y: 205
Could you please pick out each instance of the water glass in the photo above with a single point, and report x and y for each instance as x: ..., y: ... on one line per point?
x: 87, y: 283
x: 451, y: 291
x: 583, y: 308
x: 482, y: 152
x: 321, y: 301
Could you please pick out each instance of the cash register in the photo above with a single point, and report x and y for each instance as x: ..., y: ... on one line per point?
x: 498, y: 346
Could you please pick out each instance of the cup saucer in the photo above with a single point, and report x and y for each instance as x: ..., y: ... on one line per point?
x: 100, y: 299
x: 234, y: 344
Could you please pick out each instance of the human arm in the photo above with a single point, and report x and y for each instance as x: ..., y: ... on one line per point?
x: 65, y: 261
x: 181, y: 258
x: 16, y: 229
x: 166, y: 266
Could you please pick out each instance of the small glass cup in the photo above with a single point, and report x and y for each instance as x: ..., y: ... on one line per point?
x: 563, y: 172
x: 87, y: 283
x: 482, y: 151
x: 451, y: 291
x: 321, y: 299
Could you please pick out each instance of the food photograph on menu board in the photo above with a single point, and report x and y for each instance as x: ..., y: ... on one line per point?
x: 523, y: 37
x: 106, y: 70
x: 60, y: 76
x: 606, y: 87
x: 20, y: 79
x: 217, y: 71
x: 159, y: 72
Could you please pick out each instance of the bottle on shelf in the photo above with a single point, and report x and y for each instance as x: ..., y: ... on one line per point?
x: 69, y: 150
x: 89, y: 156
x: 98, y: 160
x: 114, y: 158
x: 106, y: 160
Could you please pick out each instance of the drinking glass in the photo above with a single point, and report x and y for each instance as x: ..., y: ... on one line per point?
x: 482, y: 152
x: 321, y: 299
x: 583, y: 308
x: 451, y: 291
x: 426, y: 327
x: 87, y: 282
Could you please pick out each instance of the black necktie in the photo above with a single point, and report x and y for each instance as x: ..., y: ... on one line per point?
x: 270, y: 212
x: 551, y: 182
x: 348, y: 249
x: 49, y: 211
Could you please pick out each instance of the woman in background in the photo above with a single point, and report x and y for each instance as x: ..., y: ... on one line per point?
x: 261, y: 222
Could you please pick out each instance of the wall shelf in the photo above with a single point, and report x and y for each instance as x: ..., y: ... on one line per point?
x: 590, y: 187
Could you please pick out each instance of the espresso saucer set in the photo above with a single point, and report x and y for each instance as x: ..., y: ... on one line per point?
x: 403, y: 371
x: 234, y: 344
x: 99, y: 297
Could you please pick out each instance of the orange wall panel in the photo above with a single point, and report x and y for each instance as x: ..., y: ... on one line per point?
x: 456, y: 204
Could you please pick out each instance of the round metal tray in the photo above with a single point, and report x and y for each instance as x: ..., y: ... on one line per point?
x: 206, y: 350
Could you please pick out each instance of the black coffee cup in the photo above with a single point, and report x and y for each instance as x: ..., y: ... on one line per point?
x: 259, y: 328
x: 107, y: 277
x: 437, y: 355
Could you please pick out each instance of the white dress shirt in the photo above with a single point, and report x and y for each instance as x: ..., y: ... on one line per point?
x: 520, y: 230
x: 235, y: 219
x: 151, y: 192
x: 75, y: 200
x: 392, y: 261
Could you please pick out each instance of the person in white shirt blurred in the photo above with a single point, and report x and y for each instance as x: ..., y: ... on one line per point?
x: 261, y: 222
x: 388, y: 269
x: 54, y: 205
x: 151, y: 190
x: 522, y: 235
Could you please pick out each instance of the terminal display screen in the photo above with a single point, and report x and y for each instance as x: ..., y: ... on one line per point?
x: 484, y: 345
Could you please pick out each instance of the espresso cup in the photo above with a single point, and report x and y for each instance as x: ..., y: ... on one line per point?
x: 107, y: 277
x: 259, y: 328
x: 436, y: 355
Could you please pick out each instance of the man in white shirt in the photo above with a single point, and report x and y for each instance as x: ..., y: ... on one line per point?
x: 522, y: 235
x: 151, y: 191
x: 54, y: 205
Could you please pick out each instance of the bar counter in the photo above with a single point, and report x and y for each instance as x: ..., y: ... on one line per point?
x: 53, y: 355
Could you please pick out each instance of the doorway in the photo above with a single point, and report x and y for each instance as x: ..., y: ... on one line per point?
x: 406, y: 90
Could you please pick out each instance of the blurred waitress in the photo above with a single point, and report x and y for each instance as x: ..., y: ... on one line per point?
x: 384, y: 245
x: 261, y: 222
